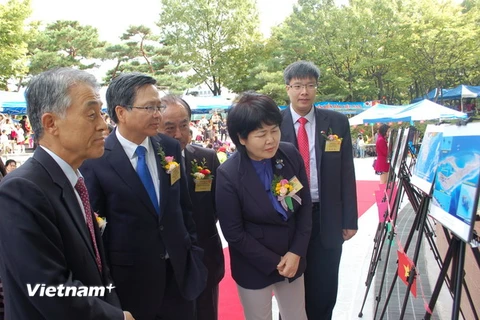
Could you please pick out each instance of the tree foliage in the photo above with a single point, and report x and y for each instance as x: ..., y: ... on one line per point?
x: 65, y: 44
x: 13, y: 34
x: 212, y: 37
x: 141, y: 51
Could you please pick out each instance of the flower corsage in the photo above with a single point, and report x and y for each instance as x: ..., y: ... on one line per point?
x: 170, y: 165
x: 202, y: 176
x: 102, y: 222
x: 330, y: 136
x: 333, y: 142
x: 201, y: 171
x: 285, y: 191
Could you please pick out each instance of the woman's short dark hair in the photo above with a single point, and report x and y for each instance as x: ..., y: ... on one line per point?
x: 7, y: 163
x: 250, y: 112
x: 383, y: 130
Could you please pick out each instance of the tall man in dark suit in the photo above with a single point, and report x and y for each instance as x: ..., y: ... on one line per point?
x: 323, y: 138
x: 48, y: 232
x: 141, y: 190
x: 175, y: 123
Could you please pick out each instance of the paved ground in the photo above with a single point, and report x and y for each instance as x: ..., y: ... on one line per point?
x: 355, y: 264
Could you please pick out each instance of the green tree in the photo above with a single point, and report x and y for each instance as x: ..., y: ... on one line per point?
x: 141, y: 51
x: 13, y: 34
x: 212, y: 37
x: 65, y: 44
x: 440, y: 44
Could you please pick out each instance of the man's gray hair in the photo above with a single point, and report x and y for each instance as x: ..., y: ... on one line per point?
x: 49, y: 92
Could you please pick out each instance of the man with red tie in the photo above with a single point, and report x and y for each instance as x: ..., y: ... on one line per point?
x: 324, y: 141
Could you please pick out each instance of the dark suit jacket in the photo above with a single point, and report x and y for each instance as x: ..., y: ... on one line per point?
x: 136, y: 238
x: 256, y: 233
x: 204, y: 214
x: 336, y: 176
x: 44, y: 240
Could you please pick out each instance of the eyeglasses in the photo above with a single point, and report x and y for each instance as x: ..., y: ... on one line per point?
x: 298, y: 87
x: 150, y: 109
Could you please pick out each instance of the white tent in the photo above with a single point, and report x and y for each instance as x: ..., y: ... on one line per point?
x: 428, y: 110
x: 379, y: 110
x: 422, y: 110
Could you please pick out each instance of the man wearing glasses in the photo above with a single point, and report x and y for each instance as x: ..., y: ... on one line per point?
x: 324, y: 141
x: 141, y: 191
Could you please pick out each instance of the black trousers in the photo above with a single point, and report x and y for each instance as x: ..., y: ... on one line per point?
x: 207, y: 304
x: 174, y: 306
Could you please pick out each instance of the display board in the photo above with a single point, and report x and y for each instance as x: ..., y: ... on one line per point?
x: 427, y: 159
x: 455, y: 189
x: 402, y: 151
x: 393, y: 146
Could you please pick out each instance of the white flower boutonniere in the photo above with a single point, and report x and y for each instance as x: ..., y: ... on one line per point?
x: 102, y: 222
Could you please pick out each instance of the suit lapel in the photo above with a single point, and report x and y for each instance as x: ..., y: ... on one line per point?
x: 122, y: 165
x: 189, y: 157
x: 68, y: 196
x: 287, y: 128
x: 322, y: 123
x: 163, y: 177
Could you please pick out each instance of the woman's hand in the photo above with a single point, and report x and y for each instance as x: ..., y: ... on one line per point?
x: 288, y: 265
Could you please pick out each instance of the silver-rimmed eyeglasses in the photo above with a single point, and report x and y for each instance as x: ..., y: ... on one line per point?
x: 309, y: 87
x: 150, y: 109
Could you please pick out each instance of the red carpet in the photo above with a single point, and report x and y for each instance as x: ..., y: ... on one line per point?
x: 366, y: 195
x: 230, y: 307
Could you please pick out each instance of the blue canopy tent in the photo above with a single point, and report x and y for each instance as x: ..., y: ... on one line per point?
x: 435, y: 93
x: 203, y: 105
x: 462, y: 92
x: 12, y: 103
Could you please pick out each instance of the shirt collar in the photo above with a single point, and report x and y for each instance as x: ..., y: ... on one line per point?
x: 72, y: 176
x: 310, y: 116
x: 131, y: 147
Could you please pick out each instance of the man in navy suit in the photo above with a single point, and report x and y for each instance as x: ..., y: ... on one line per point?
x: 48, y: 232
x: 142, y: 191
x: 329, y: 163
x: 175, y: 123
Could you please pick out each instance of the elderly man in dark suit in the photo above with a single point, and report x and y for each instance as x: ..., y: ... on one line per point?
x: 139, y: 187
x: 52, y: 237
x: 201, y: 187
x: 324, y: 141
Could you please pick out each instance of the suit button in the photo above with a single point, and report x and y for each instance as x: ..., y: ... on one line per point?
x: 161, y: 228
x: 162, y: 256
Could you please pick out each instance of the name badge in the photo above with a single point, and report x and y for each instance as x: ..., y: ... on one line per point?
x: 333, y: 145
x: 203, y: 185
x: 296, y: 184
x: 175, y: 175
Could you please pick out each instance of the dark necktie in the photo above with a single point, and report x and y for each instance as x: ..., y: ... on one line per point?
x: 303, y: 145
x: 82, y: 191
x: 146, y: 177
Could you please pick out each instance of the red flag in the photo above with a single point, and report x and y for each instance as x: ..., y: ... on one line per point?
x: 405, y: 266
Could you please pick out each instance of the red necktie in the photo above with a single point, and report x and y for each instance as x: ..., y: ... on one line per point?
x: 82, y: 191
x: 303, y: 146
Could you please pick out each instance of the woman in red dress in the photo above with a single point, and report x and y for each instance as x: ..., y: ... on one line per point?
x: 381, y: 165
